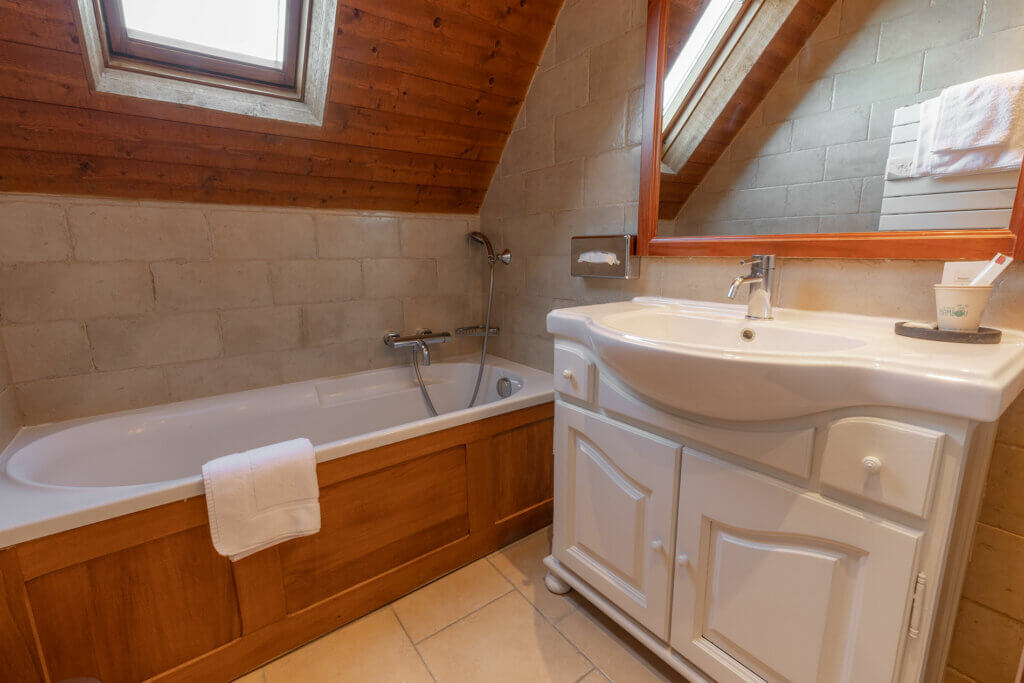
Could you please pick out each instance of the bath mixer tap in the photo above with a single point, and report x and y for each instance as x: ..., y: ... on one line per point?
x: 760, y: 279
x: 419, y: 342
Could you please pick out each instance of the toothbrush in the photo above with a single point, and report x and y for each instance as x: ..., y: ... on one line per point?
x: 991, y: 271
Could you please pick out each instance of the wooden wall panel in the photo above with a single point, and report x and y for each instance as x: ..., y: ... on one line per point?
x: 423, y: 95
x: 19, y: 654
x: 377, y: 521
x: 169, y: 600
x: 524, y: 468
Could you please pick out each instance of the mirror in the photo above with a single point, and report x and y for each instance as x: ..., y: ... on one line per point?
x: 790, y: 120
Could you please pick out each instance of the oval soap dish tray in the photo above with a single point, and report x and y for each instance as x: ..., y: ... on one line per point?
x: 984, y: 335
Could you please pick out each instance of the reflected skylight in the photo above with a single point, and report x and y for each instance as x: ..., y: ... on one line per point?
x: 250, y: 31
x: 703, y: 40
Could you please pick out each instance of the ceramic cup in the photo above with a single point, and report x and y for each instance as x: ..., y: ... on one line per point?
x: 959, y: 307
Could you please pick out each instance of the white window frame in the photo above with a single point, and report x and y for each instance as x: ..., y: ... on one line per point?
x: 304, y: 105
x: 739, y: 34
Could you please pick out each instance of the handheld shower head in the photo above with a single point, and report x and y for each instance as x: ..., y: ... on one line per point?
x: 505, y: 256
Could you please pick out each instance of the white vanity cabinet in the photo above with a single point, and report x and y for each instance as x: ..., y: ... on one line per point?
x: 615, y: 511
x: 784, y: 585
x: 786, y: 500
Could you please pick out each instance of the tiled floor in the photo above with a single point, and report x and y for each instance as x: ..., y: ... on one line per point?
x: 493, y: 621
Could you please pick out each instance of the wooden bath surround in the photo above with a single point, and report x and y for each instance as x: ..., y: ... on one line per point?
x: 146, y: 597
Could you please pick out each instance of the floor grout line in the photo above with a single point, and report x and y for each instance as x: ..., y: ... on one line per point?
x: 593, y: 666
x: 411, y: 642
x: 463, y: 617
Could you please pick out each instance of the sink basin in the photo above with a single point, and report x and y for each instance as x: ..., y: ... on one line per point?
x: 708, y: 359
x: 667, y: 325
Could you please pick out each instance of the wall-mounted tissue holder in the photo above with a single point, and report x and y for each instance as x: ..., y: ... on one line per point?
x: 608, y: 256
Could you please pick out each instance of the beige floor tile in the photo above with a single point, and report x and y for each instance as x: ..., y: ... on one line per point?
x: 522, y: 564
x: 507, y: 641
x: 619, y: 657
x: 374, y: 649
x: 450, y: 598
x: 594, y: 676
x: 251, y: 677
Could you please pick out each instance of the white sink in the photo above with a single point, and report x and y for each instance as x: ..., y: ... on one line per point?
x: 708, y: 359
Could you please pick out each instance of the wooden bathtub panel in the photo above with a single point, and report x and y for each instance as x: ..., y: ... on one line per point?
x: 132, y: 614
x: 524, y: 468
x: 19, y: 653
x: 377, y: 521
x: 145, y: 595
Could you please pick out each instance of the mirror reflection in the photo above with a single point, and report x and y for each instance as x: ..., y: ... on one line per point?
x: 872, y: 126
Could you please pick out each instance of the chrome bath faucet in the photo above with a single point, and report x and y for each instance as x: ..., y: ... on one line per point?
x: 760, y: 279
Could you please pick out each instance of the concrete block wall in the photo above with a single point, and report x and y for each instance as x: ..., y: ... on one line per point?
x: 10, y: 415
x: 812, y: 157
x: 107, y: 305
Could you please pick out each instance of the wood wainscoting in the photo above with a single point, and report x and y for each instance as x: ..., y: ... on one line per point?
x: 146, y: 597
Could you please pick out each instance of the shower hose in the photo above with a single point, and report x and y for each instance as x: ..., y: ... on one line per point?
x: 483, y: 355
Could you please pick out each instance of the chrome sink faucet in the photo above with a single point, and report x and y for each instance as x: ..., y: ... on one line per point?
x: 760, y: 279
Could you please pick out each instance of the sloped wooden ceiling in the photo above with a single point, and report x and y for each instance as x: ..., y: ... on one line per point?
x: 790, y: 38
x: 423, y: 95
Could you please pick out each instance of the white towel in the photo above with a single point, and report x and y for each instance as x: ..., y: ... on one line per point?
x: 928, y: 161
x: 261, y: 497
x: 983, y: 113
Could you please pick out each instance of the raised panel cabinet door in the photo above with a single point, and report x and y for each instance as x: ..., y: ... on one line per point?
x: 615, y: 511
x: 777, y: 584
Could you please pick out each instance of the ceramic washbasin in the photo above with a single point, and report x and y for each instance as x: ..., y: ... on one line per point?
x: 708, y: 359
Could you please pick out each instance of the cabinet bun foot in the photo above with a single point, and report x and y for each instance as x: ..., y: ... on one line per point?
x: 556, y: 585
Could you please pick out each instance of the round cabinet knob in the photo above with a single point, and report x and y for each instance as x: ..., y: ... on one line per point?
x: 567, y: 373
x: 657, y: 545
x: 872, y: 465
x: 682, y: 559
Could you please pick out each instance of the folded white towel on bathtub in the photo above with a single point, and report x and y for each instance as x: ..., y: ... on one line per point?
x: 262, y: 497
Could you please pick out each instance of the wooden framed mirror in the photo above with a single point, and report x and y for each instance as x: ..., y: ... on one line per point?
x: 749, y: 96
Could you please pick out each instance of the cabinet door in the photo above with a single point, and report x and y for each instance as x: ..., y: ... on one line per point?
x: 615, y: 511
x: 776, y: 584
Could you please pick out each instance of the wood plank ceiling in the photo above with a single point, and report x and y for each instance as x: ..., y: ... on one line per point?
x: 787, y: 43
x: 423, y: 95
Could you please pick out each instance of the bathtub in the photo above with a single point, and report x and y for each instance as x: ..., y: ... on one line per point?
x: 64, y: 475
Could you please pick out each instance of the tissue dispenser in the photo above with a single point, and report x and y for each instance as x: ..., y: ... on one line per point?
x: 608, y: 256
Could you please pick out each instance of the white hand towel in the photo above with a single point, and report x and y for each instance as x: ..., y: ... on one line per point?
x: 926, y: 137
x: 261, y: 497
x: 983, y: 113
x: 928, y: 161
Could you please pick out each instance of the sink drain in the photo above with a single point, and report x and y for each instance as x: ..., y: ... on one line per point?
x: 747, y: 334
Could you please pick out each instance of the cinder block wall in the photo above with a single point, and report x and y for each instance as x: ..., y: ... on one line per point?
x: 10, y: 415
x: 109, y: 305
x: 812, y: 157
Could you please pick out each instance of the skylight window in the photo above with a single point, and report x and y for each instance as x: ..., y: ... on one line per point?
x: 252, y: 31
x: 710, y: 31
x: 254, y: 41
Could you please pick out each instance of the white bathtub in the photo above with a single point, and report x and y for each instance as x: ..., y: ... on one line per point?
x: 64, y: 475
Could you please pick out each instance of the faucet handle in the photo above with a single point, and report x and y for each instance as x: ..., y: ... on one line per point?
x: 763, y: 260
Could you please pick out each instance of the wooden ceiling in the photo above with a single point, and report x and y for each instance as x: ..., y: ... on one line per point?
x: 423, y: 95
x: 798, y: 27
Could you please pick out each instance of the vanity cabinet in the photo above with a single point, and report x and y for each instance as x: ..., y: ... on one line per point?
x: 779, y: 583
x: 810, y: 549
x: 771, y: 500
x: 615, y: 517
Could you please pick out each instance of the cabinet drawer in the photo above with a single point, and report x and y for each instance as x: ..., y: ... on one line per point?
x: 888, y: 462
x: 574, y: 374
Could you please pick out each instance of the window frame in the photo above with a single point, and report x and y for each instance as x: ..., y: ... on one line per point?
x: 705, y: 63
x: 168, y: 61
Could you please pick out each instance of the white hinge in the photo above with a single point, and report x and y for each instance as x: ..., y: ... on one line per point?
x: 915, y: 607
